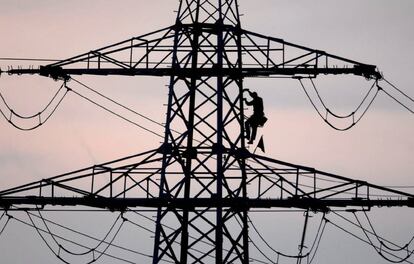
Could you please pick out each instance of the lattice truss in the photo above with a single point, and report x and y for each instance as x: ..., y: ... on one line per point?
x: 202, y: 180
x: 153, y: 54
x: 135, y: 182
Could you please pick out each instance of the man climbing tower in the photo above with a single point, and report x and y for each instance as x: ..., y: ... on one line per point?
x: 257, y: 119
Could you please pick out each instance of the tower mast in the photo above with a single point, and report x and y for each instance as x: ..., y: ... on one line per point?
x: 211, y: 31
x: 203, y: 180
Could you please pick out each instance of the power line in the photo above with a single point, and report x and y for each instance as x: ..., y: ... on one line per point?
x: 396, y: 100
x: 162, y: 125
x: 91, y: 249
x: 370, y: 232
x: 102, y: 241
x: 317, y: 239
x: 105, y: 62
x: 116, y: 114
x: 39, y: 230
x: 352, y: 115
x: 56, y: 101
x: 399, y: 248
x: 119, y: 104
x: 379, y: 250
x: 399, y: 90
x: 258, y: 248
x: 5, y: 224
x: 91, y: 237
x: 12, y: 113
x: 28, y: 59
x: 355, y: 119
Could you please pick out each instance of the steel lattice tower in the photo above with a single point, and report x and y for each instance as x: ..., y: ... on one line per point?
x: 209, y: 106
x: 202, y: 180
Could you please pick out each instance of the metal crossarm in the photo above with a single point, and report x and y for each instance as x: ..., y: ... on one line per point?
x: 151, y: 55
x: 203, y: 181
x: 272, y: 183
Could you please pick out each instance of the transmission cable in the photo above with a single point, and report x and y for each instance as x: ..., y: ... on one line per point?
x: 379, y: 250
x: 368, y: 231
x: 126, y: 108
x: 119, y: 104
x: 90, y: 237
x: 101, y: 253
x: 355, y: 119
x: 399, y: 90
x: 381, y: 241
x: 399, y: 102
x: 91, y: 249
x: 55, y: 102
x: 29, y: 59
x: 363, y: 240
x: 5, y: 224
x: 114, y: 113
x: 317, y: 240
x: 52, y: 105
x: 258, y: 248
x: 353, y: 113
x: 394, y: 98
x: 39, y: 230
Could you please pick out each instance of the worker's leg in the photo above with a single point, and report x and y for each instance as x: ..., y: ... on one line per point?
x: 247, y: 128
x: 254, y: 132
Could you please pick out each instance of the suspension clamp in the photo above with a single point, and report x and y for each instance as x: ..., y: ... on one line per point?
x: 54, y: 72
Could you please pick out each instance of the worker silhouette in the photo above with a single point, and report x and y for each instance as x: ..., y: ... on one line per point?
x: 258, y: 118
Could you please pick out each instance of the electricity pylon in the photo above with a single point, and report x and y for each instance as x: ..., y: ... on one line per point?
x: 203, y: 180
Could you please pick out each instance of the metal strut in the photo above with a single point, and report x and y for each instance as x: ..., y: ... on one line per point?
x: 203, y: 181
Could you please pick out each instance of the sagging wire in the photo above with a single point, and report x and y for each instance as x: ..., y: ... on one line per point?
x: 380, y: 249
x: 353, y: 114
x: 355, y: 118
x: 318, y: 242
x: 60, y: 247
x: 124, y: 107
x: 91, y: 237
x: 121, y: 105
x: 258, y: 248
x: 7, y: 221
x: 368, y: 242
x: 39, y: 230
x: 57, y: 99
x: 91, y: 249
x: 50, y: 107
x: 381, y: 241
x: 395, y: 99
x: 114, y: 113
x: 315, y: 244
x: 368, y: 231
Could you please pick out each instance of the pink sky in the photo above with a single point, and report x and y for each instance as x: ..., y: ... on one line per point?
x: 379, y: 149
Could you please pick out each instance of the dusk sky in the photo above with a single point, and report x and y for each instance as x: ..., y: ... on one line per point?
x: 379, y: 149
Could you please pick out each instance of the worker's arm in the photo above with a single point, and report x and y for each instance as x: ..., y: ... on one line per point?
x: 250, y: 93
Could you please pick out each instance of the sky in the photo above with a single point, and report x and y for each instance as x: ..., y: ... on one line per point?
x: 379, y: 149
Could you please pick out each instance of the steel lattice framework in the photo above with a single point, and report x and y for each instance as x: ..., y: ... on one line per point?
x: 202, y: 179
